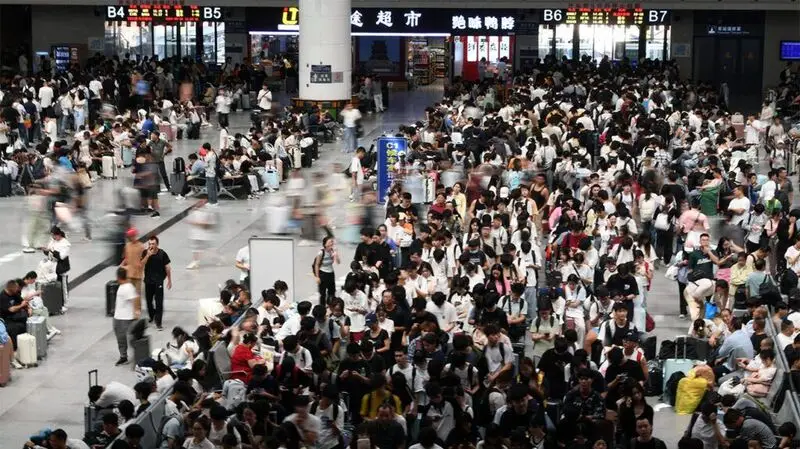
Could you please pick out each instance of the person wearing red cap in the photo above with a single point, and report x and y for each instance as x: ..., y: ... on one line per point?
x: 132, y: 259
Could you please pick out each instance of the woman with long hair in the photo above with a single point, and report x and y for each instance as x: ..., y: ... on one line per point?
x: 632, y: 407
x: 324, y: 274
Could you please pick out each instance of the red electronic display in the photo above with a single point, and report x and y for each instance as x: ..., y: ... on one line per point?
x: 164, y: 13
x: 605, y: 16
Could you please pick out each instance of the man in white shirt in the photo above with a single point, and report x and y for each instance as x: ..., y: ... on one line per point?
x: 223, y: 103
x: 46, y: 99
x: 739, y: 207
x: 792, y: 257
x: 498, y: 353
x: 127, y: 309
x: 769, y: 188
x: 350, y: 118
x: 243, y: 262
x: 308, y: 426
x: 265, y: 99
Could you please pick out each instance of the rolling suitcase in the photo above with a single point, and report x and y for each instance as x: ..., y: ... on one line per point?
x: 109, y: 167
x: 6, y: 353
x: 37, y: 326
x: 127, y: 156
x: 672, y: 366
x: 306, y: 158
x: 141, y: 349
x: 177, y: 182
x: 26, y: 350
x: 5, y: 185
x: 90, y: 412
x: 53, y: 297
x: 296, y: 156
x: 111, y: 297
x: 271, y: 178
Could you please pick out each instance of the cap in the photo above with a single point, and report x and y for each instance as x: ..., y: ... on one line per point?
x: 370, y: 319
x: 131, y: 233
x: 631, y: 336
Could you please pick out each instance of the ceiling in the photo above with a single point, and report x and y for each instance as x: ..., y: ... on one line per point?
x: 519, y: 4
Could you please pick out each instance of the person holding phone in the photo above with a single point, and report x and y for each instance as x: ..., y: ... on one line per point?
x: 157, y: 269
x: 323, y: 269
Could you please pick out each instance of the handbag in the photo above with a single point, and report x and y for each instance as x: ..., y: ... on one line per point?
x: 769, y: 292
x: 649, y: 323
x: 661, y: 222
x: 672, y: 273
x: 711, y: 310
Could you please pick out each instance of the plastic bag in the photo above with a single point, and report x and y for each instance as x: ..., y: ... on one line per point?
x: 46, y: 271
x: 690, y: 392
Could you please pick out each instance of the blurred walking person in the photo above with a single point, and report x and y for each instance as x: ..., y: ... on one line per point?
x: 202, y: 233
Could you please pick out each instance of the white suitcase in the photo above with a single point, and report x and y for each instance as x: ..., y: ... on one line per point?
x: 26, y: 350
x: 277, y: 217
x: 296, y: 156
x: 109, y: 167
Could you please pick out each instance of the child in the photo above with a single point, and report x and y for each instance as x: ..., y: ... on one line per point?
x: 37, y: 305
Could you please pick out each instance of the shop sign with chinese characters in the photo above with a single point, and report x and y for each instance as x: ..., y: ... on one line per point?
x: 404, y: 21
x: 491, y: 48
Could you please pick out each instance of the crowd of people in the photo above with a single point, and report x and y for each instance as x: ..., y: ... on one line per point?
x: 512, y: 310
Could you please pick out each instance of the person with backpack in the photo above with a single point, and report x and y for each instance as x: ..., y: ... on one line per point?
x: 544, y: 329
x: 301, y: 354
x: 331, y: 415
x: 323, y: 270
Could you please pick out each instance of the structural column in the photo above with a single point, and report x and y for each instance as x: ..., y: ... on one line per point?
x: 325, y: 45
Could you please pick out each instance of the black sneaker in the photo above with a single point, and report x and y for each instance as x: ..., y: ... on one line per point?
x: 121, y: 361
x: 155, y: 214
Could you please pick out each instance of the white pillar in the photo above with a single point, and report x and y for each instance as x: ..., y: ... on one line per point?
x: 325, y: 41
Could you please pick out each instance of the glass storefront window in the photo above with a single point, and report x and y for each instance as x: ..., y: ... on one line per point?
x: 657, y: 36
x: 213, y: 43
x: 220, y: 42
x: 546, y: 35
x: 188, y: 40
x: 613, y: 41
x: 564, y: 36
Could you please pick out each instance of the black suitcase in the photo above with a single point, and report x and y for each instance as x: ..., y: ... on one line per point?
x: 5, y: 185
x: 53, y: 297
x: 177, y: 182
x: 141, y: 349
x: 179, y: 165
x: 306, y: 158
x: 649, y: 344
x: 111, y: 297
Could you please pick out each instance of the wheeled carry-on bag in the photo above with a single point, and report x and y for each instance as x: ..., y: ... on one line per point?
x: 6, y: 354
x: 111, y: 297
x: 177, y: 182
x: 26, y: 350
x: 37, y: 326
x: 141, y: 349
x: 90, y: 412
x: 674, y: 365
x: 109, y: 167
x: 53, y: 297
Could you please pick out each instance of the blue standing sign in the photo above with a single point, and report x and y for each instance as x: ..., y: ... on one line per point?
x: 389, y: 151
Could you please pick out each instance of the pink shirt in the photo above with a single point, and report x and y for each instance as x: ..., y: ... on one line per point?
x: 693, y: 220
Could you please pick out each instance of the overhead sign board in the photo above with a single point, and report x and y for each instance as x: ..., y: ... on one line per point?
x: 164, y: 13
x: 605, y: 16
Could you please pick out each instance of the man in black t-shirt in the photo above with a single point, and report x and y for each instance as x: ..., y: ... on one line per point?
x: 156, y: 269
x: 620, y: 369
x: 14, y: 311
x: 353, y: 376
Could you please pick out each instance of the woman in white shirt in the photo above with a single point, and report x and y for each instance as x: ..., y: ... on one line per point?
x: 425, y: 282
x: 199, y: 439
x: 356, y: 307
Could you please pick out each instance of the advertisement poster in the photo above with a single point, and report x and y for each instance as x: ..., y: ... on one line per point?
x: 389, y: 151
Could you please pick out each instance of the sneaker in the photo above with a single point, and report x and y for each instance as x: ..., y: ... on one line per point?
x: 16, y: 364
x: 155, y: 214
x: 121, y: 361
x: 180, y: 197
x: 273, y: 190
x: 64, y: 309
x: 193, y: 265
x: 682, y: 316
x: 160, y: 328
x: 28, y: 250
x: 213, y: 205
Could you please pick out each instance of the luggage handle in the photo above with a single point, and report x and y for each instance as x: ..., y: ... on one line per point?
x: 685, y: 339
x: 96, y: 382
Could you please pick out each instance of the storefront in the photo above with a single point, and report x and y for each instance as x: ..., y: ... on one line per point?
x: 398, y: 43
x: 166, y: 31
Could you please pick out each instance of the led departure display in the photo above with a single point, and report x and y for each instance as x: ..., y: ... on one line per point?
x: 164, y: 13
x: 605, y: 16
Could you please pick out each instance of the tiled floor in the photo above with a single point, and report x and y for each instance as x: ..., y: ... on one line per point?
x: 53, y: 394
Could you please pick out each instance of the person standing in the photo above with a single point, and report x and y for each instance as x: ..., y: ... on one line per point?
x: 132, y: 259
x: 223, y: 103
x: 350, y: 118
x: 377, y: 93
x: 265, y: 99
x: 46, y: 96
x: 156, y: 269
x: 357, y: 174
x: 323, y: 270
x: 158, y: 149
x: 210, y: 158
x: 127, y: 309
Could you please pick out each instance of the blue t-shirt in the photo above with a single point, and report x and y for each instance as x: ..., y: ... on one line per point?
x: 148, y: 126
